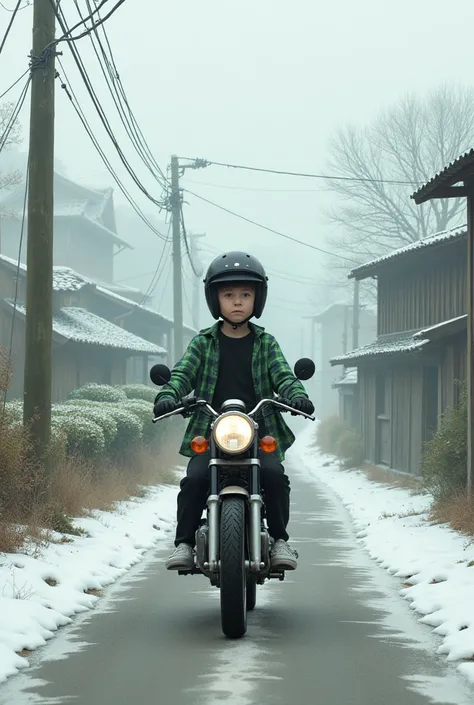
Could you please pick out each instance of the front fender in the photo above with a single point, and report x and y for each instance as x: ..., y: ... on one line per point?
x: 233, y: 490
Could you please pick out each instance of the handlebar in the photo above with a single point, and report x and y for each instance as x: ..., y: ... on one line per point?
x: 281, y: 404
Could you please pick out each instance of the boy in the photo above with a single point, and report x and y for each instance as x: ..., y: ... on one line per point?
x: 234, y: 359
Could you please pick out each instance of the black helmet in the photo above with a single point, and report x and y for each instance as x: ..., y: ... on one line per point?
x: 235, y: 267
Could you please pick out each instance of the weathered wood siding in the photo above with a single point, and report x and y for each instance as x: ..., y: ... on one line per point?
x: 367, y: 413
x: 453, y: 368
x: 429, y: 289
x: 403, y: 414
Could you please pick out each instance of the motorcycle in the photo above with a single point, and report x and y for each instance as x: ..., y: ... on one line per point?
x: 233, y: 546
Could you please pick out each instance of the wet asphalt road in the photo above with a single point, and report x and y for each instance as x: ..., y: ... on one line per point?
x: 334, y: 633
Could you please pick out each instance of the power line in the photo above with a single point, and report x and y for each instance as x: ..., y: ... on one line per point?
x: 7, y: 9
x: 100, y: 111
x: 288, y: 276
x: 185, y: 238
x: 117, y: 91
x: 14, y: 84
x: 271, y: 230
x: 75, y: 104
x: 15, y: 112
x: 259, y: 190
x: 186, y: 295
x: 66, y: 31
x: 205, y: 163
x: 9, y: 26
x: 17, y: 279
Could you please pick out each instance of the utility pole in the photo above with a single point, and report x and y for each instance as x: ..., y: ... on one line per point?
x: 39, y: 294
x: 470, y: 334
x: 178, y: 346
x: 356, y: 315
x: 197, y: 291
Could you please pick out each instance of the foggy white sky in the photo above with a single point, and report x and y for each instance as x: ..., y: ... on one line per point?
x: 261, y: 83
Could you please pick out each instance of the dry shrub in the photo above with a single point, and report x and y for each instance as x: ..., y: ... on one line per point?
x: 6, y: 371
x: 457, y: 511
x: 443, y: 462
x: 329, y: 432
x: 80, y: 485
x: 350, y: 449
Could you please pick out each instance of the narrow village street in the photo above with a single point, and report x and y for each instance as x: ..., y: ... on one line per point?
x: 336, y: 631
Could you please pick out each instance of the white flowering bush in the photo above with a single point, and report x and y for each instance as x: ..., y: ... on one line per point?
x: 101, y: 414
x: 140, y: 391
x: 144, y: 413
x: 129, y: 429
x: 84, y: 436
x: 99, y: 392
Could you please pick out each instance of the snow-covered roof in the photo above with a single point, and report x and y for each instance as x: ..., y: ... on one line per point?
x: 66, y: 279
x: 12, y: 263
x: 73, y: 200
x: 81, y: 326
x: 389, y: 346
x: 453, y: 324
x: 441, y: 238
x: 349, y: 378
x: 447, y: 178
x: 328, y: 309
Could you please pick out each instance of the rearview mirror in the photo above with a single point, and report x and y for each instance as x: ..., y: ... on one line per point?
x: 160, y: 375
x: 304, y: 368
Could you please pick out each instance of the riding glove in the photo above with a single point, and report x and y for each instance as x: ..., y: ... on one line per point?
x: 164, y: 406
x: 303, y: 404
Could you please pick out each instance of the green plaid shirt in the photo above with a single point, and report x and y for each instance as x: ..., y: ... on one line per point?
x: 198, y: 370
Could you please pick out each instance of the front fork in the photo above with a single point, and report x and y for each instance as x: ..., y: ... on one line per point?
x: 255, y: 505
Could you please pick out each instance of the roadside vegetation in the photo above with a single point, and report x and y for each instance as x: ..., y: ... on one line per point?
x: 443, y: 464
x: 104, y: 449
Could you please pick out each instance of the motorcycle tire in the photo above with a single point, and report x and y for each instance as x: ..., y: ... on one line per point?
x: 233, y: 578
x: 251, y: 594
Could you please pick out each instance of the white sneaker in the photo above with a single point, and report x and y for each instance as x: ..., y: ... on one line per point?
x: 282, y: 556
x: 182, y: 558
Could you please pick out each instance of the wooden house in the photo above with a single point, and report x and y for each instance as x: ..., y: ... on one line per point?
x: 335, y: 334
x: 85, y: 231
x: 87, y: 347
x: 409, y: 375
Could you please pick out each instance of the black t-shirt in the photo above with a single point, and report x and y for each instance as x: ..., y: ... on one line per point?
x: 235, y: 379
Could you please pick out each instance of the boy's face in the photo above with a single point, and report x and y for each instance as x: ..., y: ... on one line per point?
x: 236, y: 301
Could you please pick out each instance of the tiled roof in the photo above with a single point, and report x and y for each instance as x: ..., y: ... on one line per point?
x: 348, y: 379
x: 450, y: 175
x: 66, y: 279
x: 389, y: 346
x: 72, y: 200
x: 365, y: 270
x: 81, y: 326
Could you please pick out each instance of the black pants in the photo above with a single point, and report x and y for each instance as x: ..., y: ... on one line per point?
x: 195, y: 487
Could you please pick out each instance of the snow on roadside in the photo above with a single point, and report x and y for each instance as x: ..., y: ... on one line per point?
x: 435, y: 563
x: 40, y: 592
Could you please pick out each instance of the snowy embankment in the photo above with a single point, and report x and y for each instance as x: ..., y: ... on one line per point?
x: 434, y: 563
x: 42, y: 590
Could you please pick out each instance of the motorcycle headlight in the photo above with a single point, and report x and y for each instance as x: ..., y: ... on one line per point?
x: 234, y: 433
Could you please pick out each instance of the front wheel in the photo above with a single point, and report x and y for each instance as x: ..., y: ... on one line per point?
x: 233, y: 578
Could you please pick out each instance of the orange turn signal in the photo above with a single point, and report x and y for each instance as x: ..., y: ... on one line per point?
x: 268, y: 444
x: 199, y: 445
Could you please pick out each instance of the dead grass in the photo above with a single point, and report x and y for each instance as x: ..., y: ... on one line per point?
x: 76, y: 487
x: 458, y: 512
x: 394, y: 479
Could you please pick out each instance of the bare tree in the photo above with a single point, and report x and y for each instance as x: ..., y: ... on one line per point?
x: 409, y: 143
x: 9, y: 179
